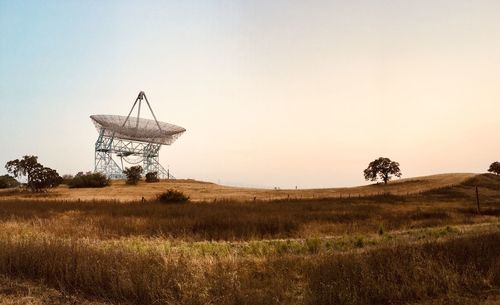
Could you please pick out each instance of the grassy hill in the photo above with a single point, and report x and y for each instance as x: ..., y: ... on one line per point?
x: 206, y: 191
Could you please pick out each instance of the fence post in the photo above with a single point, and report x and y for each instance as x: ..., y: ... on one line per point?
x: 477, y: 200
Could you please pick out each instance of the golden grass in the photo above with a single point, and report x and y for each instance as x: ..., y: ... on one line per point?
x: 205, y: 191
x: 380, y: 275
x: 238, y: 221
x: 401, y: 274
x: 430, y: 247
x: 26, y: 292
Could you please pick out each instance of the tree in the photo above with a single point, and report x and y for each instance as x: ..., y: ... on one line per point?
x: 23, y: 167
x: 134, y: 174
x: 7, y: 181
x: 382, y: 168
x: 152, y: 177
x: 39, y: 177
x: 43, y: 178
x: 495, y: 168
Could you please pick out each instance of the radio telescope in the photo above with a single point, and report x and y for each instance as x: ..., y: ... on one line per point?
x: 132, y: 140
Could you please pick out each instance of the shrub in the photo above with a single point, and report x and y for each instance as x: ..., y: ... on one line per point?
x: 359, y: 243
x: 82, y: 180
x: 172, y: 196
x: 134, y: 174
x: 152, y: 177
x: 66, y: 179
x: 381, y: 230
x: 7, y: 181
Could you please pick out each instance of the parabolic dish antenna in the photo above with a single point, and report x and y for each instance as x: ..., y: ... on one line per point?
x: 142, y: 130
x: 132, y: 140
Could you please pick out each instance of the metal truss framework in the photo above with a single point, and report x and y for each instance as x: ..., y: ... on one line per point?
x: 145, y: 153
x: 148, y: 153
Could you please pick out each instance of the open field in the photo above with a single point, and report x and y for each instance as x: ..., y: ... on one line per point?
x: 427, y: 245
x: 206, y: 191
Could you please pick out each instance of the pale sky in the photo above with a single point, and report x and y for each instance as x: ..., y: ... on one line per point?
x: 272, y: 93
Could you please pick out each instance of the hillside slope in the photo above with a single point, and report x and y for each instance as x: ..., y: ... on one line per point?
x: 205, y: 191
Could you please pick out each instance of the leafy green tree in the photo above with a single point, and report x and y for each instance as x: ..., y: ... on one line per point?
x: 382, y: 168
x: 39, y: 177
x: 495, y: 168
x: 23, y: 167
x: 43, y: 178
x: 134, y: 174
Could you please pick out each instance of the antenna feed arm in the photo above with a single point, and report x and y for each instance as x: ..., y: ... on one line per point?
x: 141, y: 95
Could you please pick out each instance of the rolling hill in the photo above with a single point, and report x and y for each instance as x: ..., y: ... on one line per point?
x: 206, y: 191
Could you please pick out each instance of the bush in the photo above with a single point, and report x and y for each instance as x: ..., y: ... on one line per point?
x: 381, y: 230
x: 152, y: 177
x: 66, y: 179
x: 82, y: 180
x: 172, y: 196
x: 7, y: 181
x: 134, y: 174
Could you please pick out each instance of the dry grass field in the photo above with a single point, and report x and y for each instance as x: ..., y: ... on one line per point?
x: 206, y: 191
x: 415, y: 241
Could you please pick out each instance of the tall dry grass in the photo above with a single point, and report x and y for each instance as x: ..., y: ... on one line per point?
x: 121, y: 252
x: 233, y: 220
x: 396, y: 275
x: 408, y: 273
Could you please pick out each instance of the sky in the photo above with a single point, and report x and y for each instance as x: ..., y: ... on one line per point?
x: 272, y: 93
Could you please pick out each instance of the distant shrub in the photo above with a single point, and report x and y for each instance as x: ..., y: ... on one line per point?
x: 134, y: 174
x: 89, y: 180
x: 313, y: 245
x: 172, y: 196
x: 359, y: 243
x: 7, y: 181
x: 66, y: 179
x: 152, y: 177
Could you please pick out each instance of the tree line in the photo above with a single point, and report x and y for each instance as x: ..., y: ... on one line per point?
x: 39, y: 178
